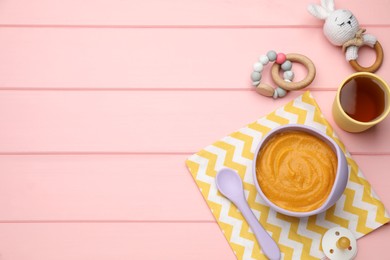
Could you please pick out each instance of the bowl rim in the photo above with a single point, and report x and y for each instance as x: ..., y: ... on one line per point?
x: 335, y: 147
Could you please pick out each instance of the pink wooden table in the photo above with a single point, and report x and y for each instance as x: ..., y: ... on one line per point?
x: 102, y: 101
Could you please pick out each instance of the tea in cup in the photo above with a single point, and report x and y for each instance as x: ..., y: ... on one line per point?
x: 361, y: 102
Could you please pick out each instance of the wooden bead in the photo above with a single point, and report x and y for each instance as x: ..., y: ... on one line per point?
x: 265, y: 90
x: 286, y: 66
x: 256, y: 76
x: 281, y: 92
x: 288, y: 75
x: 271, y: 55
x: 264, y: 59
x: 258, y: 66
x: 280, y: 58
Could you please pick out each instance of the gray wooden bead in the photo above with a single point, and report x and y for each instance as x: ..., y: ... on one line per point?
x: 288, y: 75
x: 271, y: 55
x: 255, y: 83
x: 256, y: 76
x: 258, y: 67
x: 287, y: 65
x: 264, y: 59
x: 281, y: 92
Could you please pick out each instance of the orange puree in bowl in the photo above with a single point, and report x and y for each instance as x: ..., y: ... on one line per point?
x: 296, y: 170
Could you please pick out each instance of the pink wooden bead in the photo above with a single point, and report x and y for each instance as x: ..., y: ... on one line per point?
x: 280, y: 58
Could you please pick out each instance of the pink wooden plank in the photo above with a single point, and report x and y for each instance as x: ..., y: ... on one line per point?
x: 129, y: 58
x: 178, y: 13
x: 119, y: 188
x: 47, y: 241
x: 145, y: 121
x: 80, y: 241
x: 99, y: 187
x: 374, y: 245
x: 135, y: 240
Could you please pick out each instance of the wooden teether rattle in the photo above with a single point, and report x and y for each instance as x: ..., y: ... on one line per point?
x: 375, y: 66
x: 342, y: 28
x: 284, y: 62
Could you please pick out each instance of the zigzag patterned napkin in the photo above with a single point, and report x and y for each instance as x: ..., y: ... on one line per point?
x: 359, y: 209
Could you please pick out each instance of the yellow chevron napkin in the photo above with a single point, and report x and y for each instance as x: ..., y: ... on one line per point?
x: 359, y: 209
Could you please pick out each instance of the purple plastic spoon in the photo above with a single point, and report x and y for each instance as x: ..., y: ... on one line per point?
x: 230, y: 185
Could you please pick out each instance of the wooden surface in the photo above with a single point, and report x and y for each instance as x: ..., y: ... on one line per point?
x: 102, y: 101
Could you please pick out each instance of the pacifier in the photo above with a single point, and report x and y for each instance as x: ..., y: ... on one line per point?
x: 339, y: 244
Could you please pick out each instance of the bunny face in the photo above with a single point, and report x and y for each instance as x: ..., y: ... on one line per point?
x: 340, y: 26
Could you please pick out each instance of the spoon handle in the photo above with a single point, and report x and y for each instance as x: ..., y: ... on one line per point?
x: 267, y: 244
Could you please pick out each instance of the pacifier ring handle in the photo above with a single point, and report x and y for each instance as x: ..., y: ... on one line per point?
x: 294, y: 57
x: 374, y: 67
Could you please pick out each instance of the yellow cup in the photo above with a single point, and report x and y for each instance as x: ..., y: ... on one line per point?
x: 347, y: 122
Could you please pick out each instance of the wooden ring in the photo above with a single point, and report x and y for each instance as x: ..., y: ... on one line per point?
x: 294, y: 57
x: 374, y: 67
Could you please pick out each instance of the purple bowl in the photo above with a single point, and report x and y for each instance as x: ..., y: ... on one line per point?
x: 340, y: 181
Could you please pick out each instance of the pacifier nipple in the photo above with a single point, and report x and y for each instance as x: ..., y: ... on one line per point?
x: 343, y: 243
x: 339, y: 244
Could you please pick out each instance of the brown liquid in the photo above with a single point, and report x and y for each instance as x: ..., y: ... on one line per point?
x: 362, y: 99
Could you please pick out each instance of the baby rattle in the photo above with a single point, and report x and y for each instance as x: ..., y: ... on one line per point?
x: 284, y: 62
x: 342, y: 28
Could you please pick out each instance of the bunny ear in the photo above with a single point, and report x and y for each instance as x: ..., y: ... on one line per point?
x: 328, y: 4
x: 318, y: 11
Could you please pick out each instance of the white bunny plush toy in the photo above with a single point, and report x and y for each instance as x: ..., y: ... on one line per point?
x: 342, y: 28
